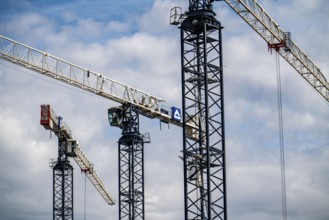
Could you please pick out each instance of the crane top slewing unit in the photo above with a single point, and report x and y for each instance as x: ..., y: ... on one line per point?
x: 257, y: 18
x: 50, y: 121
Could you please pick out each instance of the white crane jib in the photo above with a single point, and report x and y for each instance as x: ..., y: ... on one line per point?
x: 56, y: 68
x: 256, y: 16
x: 50, y: 121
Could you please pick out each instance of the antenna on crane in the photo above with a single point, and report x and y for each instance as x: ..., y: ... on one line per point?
x: 63, y: 170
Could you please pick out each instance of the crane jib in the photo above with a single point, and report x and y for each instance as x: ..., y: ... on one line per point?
x: 82, y: 78
x: 256, y: 17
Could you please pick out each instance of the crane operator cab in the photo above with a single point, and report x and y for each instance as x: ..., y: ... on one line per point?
x: 115, y: 116
x: 71, y: 147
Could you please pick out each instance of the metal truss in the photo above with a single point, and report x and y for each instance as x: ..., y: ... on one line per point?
x: 131, y: 167
x: 75, y: 75
x: 87, y: 167
x: 62, y: 183
x: 203, y: 106
x: 82, y: 78
x: 69, y: 148
x: 63, y: 191
x: 256, y: 16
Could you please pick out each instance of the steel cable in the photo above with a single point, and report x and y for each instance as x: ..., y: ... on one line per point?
x: 281, y: 138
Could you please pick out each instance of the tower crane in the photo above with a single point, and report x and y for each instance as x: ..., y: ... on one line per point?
x: 133, y: 102
x: 203, y: 98
x: 202, y: 116
x: 63, y: 170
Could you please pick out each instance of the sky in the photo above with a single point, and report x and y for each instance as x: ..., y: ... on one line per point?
x: 133, y: 43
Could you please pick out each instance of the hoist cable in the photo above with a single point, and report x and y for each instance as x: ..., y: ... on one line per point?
x: 281, y: 138
x: 85, y: 198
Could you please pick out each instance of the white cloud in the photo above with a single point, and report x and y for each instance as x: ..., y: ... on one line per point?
x: 145, y: 53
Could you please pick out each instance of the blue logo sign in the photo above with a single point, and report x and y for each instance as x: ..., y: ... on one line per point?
x: 176, y: 114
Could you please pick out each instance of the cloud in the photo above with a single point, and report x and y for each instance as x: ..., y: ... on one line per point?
x: 142, y: 50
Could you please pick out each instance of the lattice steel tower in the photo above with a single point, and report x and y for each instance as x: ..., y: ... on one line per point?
x: 63, y: 170
x: 203, y: 106
x: 62, y: 182
x: 131, y: 161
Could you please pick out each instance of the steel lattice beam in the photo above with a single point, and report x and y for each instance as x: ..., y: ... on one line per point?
x: 131, y: 167
x: 202, y: 91
x: 82, y: 78
x: 63, y: 191
x: 256, y: 16
x: 54, y: 123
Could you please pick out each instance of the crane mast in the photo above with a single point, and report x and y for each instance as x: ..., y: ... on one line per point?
x: 63, y: 170
x: 131, y: 161
x: 203, y: 106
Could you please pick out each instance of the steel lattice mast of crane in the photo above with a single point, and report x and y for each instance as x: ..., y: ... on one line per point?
x: 131, y: 161
x: 203, y: 106
x: 63, y: 170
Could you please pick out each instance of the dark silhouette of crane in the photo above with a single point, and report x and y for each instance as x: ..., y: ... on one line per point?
x: 62, y: 168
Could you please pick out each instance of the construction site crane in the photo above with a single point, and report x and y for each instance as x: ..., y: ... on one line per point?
x: 63, y: 170
x: 203, y: 98
x: 48, y: 65
x: 256, y: 16
x: 133, y: 102
x: 203, y: 106
x: 202, y: 114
